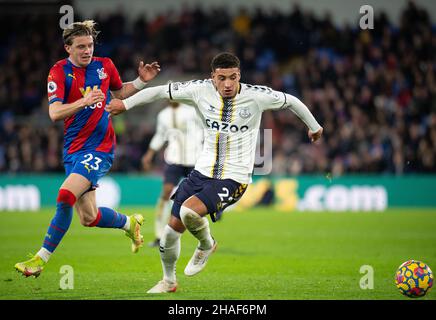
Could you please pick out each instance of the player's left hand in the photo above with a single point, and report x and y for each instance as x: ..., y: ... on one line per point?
x: 116, y: 106
x: 313, y: 136
x: 148, y: 71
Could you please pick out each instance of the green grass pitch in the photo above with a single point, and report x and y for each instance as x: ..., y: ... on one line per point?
x: 262, y: 254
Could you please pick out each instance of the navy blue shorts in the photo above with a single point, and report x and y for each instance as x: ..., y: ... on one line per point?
x: 174, y: 172
x: 216, y: 194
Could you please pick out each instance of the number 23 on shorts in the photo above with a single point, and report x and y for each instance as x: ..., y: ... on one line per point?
x: 91, y: 162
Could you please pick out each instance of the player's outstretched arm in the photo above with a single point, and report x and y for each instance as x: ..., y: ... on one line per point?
x: 146, y: 72
x: 303, y: 112
x: 59, y: 111
x: 147, y: 95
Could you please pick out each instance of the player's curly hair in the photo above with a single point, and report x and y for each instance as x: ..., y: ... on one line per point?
x: 225, y: 60
x: 77, y: 29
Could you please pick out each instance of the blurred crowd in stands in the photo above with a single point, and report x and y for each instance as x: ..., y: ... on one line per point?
x: 373, y: 91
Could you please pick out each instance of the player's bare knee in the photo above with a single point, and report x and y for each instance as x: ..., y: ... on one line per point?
x: 191, y: 219
x: 85, y: 223
x: 176, y: 224
x: 88, y: 219
x: 195, y: 204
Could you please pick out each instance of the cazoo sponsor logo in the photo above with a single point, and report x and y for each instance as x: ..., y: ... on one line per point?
x: 225, y: 127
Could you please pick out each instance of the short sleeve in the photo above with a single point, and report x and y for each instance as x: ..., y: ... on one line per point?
x: 267, y: 98
x: 185, y: 92
x: 56, y: 84
x: 115, y: 79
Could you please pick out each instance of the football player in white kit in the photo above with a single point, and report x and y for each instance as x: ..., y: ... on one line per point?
x: 179, y: 125
x: 231, y: 113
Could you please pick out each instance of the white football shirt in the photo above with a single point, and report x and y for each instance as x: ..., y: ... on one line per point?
x: 231, y: 125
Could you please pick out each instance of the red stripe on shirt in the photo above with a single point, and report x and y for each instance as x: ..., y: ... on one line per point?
x: 74, y: 94
x: 86, y: 131
x: 67, y: 122
x: 115, y: 79
x: 109, y: 139
x: 57, y: 76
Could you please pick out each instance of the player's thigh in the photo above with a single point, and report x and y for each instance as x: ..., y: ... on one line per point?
x: 176, y: 224
x: 217, y: 195
x: 187, y: 188
x: 76, y: 184
x: 90, y: 166
x: 197, y: 205
x: 85, y: 170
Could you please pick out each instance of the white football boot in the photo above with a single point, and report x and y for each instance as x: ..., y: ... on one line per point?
x: 199, y: 260
x: 163, y: 286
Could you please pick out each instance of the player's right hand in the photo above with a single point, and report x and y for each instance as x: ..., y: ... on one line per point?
x: 314, y: 136
x: 116, y: 106
x: 92, y: 97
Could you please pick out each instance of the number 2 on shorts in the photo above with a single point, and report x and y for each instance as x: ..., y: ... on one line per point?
x: 224, y: 195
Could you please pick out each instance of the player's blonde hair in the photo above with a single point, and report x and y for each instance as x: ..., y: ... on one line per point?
x: 77, y: 29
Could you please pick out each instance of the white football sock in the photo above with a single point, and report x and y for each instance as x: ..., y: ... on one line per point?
x: 163, y: 212
x: 198, y: 226
x: 127, y: 224
x: 158, y: 225
x: 169, y: 252
x: 166, y: 213
x: 44, y: 254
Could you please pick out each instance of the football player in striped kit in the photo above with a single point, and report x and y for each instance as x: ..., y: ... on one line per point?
x: 79, y: 87
x: 231, y: 113
x: 179, y: 126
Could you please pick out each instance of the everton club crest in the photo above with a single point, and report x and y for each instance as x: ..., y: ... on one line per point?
x: 244, y: 113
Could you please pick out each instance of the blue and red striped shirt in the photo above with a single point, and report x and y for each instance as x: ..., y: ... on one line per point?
x: 91, y: 128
